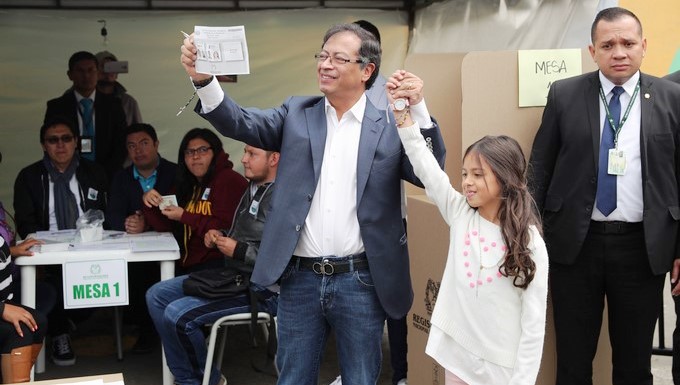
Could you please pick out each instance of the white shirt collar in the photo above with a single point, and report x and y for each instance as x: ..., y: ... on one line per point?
x: 357, y: 109
x: 628, y: 86
x: 80, y: 97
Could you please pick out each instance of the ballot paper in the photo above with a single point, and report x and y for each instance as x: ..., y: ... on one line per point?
x: 167, y: 200
x: 221, y: 50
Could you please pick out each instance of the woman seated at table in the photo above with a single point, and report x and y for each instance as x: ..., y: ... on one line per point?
x: 208, y: 191
x: 22, y: 329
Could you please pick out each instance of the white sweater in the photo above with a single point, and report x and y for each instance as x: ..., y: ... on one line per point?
x: 477, y: 309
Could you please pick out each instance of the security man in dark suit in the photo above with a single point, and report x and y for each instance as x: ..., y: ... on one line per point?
x: 605, y: 176
x: 100, y: 117
x: 675, y: 77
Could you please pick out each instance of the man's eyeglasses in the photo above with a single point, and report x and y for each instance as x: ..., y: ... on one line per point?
x: 337, y: 60
x: 57, y: 139
x: 194, y: 151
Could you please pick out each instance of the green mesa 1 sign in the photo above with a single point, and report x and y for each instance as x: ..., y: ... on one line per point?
x: 95, y: 283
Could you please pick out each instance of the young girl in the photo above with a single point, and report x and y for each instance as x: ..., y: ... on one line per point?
x: 489, y: 321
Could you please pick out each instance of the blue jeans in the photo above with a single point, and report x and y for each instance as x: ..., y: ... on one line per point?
x: 179, y: 320
x: 310, y: 305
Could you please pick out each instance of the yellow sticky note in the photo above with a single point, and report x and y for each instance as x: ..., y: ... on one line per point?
x: 538, y: 69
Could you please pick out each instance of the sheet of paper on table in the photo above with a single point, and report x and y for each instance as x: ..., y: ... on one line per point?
x: 153, y: 243
x: 57, y: 236
x: 63, y: 240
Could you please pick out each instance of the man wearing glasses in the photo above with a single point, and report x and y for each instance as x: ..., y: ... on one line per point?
x: 51, y: 194
x: 335, y: 240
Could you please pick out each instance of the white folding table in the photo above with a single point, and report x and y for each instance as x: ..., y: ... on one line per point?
x: 166, y: 257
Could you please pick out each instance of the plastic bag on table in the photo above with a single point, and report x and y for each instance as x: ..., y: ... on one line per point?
x: 90, y: 226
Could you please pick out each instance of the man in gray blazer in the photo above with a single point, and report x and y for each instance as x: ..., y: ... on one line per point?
x: 605, y: 177
x: 335, y: 239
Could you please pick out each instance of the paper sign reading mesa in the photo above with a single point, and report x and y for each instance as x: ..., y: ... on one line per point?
x: 538, y: 69
x: 95, y: 283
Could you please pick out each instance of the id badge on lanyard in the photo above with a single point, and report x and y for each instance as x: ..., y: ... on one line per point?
x: 616, y: 161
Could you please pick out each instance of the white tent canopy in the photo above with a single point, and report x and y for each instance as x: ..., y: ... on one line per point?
x: 38, y: 43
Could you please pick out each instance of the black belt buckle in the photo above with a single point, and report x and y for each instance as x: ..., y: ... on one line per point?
x: 615, y: 227
x: 324, y: 267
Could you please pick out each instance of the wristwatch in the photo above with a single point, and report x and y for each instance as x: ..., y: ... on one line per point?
x: 202, y: 83
x: 400, y: 104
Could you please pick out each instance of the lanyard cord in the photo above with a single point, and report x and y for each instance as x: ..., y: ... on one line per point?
x: 617, y: 129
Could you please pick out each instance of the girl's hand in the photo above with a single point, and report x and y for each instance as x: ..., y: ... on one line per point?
x: 403, y: 84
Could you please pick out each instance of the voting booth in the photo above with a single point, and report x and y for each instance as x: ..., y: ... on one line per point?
x: 471, y: 95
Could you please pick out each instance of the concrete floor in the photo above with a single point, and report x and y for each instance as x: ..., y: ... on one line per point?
x: 95, y: 348
x: 661, y: 365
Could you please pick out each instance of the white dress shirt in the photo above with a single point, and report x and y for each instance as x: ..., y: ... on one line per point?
x: 332, y: 226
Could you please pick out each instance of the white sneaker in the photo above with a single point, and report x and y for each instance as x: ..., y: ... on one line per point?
x: 338, y: 381
x: 402, y: 382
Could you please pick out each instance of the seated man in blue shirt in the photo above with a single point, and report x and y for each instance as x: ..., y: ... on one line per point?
x: 148, y: 170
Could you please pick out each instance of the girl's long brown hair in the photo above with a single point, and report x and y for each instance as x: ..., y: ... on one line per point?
x: 517, y: 210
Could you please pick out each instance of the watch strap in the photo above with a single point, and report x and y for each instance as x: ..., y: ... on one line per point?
x: 202, y: 83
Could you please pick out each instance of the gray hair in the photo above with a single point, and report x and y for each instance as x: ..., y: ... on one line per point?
x: 369, y: 52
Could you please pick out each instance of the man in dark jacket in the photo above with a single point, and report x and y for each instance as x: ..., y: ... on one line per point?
x: 100, y: 118
x: 147, y: 171
x: 675, y: 77
x: 179, y: 318
x: 51, y: 194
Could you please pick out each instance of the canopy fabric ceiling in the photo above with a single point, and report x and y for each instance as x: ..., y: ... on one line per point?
x: 233, y: 5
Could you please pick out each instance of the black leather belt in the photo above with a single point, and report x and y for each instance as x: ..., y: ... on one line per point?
x: 615, y: 227
x: 332, y: 265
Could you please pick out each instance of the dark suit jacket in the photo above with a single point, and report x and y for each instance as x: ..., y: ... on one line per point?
x: 125, y: 196
x: 109, y: 126
x: 297, y: 129
x: 674, y: 77
x: 564, y: 162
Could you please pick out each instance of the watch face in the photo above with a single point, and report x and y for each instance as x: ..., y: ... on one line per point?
x: 400, y: 104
